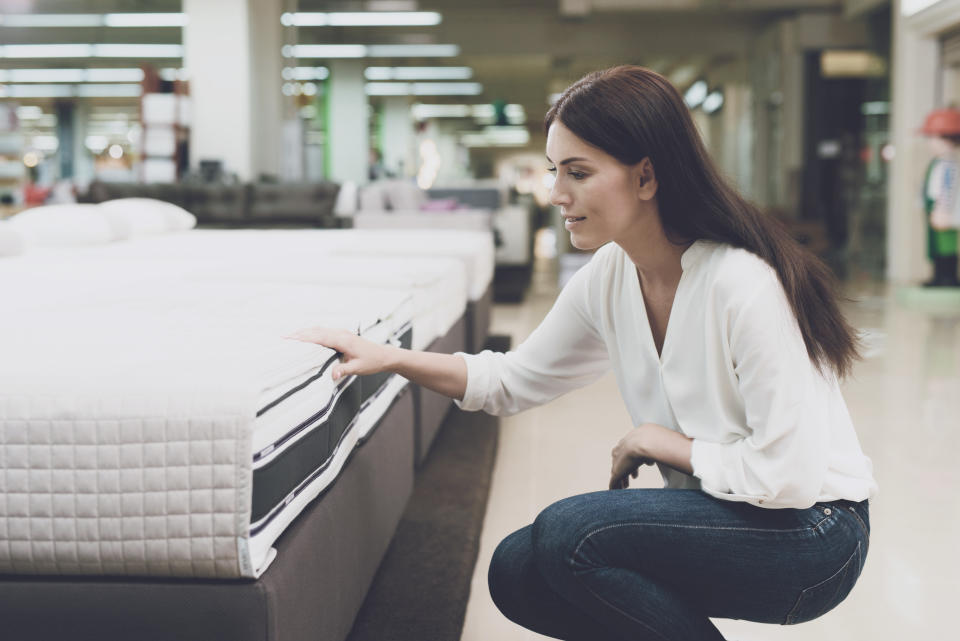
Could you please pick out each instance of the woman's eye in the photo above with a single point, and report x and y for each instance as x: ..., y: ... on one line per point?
x: 577, y: 175
x: 552, y: 170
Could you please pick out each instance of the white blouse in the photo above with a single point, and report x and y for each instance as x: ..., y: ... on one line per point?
x: 767, y: 427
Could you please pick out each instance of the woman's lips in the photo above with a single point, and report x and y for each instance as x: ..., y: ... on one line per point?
x: 573, y: 221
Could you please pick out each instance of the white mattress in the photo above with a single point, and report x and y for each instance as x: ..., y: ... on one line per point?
x: 145, y: 387
x: 474, y: 249
x: 437, y: 286
x: 129, y: 419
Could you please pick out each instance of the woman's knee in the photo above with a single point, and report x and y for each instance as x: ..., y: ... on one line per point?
x: 505, y: 577
x: 556, y: 533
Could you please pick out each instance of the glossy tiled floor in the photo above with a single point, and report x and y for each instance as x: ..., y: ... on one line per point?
x: 905, y: 401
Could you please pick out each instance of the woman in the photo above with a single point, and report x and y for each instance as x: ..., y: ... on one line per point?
x: 727, y: 343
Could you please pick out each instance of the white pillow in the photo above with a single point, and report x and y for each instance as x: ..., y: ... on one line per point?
x: 133, y: 217
x: 347, y: 199
x: 63, y: 226
x: 11, y: 242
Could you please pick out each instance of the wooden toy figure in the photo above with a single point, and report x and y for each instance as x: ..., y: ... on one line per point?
x: 941, y: 195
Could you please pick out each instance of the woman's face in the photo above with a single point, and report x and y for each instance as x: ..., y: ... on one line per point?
x: 597, y: 194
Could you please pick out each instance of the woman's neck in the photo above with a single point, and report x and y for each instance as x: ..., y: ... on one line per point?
x: 657, y: 259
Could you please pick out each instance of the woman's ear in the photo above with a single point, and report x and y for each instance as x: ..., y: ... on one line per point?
x: 646, y: 179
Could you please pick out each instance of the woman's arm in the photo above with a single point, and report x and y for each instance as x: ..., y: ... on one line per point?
x: 442, y: 373
x: 649, y: 443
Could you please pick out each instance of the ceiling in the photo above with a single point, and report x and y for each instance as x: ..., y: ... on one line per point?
x: 521, y: 50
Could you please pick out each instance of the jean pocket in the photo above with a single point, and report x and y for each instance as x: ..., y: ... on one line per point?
x: 819, y: 599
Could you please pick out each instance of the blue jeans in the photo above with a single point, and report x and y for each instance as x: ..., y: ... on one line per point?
x: 655, y: 564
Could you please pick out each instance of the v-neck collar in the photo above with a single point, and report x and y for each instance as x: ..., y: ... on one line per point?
x: 688, y: 260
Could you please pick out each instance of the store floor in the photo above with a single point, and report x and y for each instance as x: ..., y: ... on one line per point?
x: 905, y: 401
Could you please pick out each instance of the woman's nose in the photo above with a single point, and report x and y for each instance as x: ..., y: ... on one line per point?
x: 558, y: 196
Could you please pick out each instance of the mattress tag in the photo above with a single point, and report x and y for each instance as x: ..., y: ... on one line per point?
x: 243, y: 555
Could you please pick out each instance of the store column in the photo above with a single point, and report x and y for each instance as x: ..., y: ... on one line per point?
x: 348, y: 128
x: 398, y: 137
x: 914, y: 93
x: 232, y: 54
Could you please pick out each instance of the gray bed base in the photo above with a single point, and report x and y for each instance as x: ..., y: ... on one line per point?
x: 325, y: 563
x: 431, y: 408
x: 467, y: 335
x: 478, y: 320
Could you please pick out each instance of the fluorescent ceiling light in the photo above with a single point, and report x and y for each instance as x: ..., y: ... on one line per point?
x: 370, y: 51
x: 71, y: 75
x: 362, y: 19
x: 91, y: 51
x: 695, y: 94
x: 713, y: 102
x: 39, y: 91
x: 305, y: 73
x: 46, y: 51
x: 423, y: 112
x: 114, y: 75
x: 52, y: 20
x: 138, y: 51
x: 516, y: 115
x: 73, y: 91
x: 497, y: 137
x: 413, y: 51
x: 424, y: 88
x: 385, y: 19
x: 418, y: 73
x: 325, y: 51
x: 28, y: 20
x: 145, y: 19
x: 109, y: 91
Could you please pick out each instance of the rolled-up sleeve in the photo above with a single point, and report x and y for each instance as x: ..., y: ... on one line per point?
x: 781, y: 461
x: 564, y: 352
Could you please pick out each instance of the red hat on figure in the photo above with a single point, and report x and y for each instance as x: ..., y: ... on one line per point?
x: 942, y: 122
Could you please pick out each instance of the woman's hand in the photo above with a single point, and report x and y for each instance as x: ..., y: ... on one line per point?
x: 359, y: 356
x: 627, y: 461
x: 647, y: 444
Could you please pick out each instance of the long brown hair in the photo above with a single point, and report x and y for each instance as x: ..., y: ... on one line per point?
x: 634, y: 113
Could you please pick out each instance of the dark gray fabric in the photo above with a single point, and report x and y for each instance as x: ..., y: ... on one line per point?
x: 431, y: 408
x: 235, y: 204
x: 326, y: 561
x: 478, y: 320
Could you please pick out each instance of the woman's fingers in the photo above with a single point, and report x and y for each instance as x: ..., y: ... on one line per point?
x: 334, y: 339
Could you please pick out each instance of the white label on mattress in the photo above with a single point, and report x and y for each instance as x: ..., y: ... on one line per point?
x: 243, y: 554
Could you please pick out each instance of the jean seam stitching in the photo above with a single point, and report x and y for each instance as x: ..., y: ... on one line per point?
x: 691, y: 527
x: 791, y: 616
x: 866, y: 530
